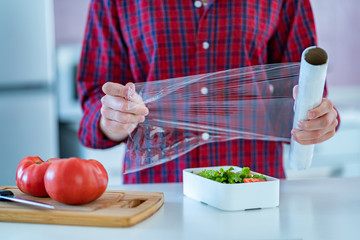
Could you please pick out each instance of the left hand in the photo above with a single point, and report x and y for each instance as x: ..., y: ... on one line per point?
x: 320, y: 126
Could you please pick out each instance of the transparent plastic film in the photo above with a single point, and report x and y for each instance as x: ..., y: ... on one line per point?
x: 246, y: 103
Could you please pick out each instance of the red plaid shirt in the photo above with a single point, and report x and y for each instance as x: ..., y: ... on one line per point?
x: 136, y: 41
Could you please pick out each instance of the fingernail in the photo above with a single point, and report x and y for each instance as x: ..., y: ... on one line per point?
x: 300, y: 124
x: 311, y: 115
x: 130, y: 93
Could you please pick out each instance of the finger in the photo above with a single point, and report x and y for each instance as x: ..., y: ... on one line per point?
x: 122, y: 105
x: 313, y: 135
x: 121, y: 117
x: 115, y: 89
x: 315, y: 141
x: 324, y: 107
x: 132, y: 95
x: 295, y: 91
x: 318, y: 123
x: 118, y: 90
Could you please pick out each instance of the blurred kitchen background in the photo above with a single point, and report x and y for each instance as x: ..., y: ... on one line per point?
x: 40, y: 43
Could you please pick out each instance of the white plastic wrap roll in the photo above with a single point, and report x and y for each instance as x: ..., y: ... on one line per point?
x: 313, y: 68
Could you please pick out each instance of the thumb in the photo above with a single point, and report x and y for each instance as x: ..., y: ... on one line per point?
x: 295, y: 90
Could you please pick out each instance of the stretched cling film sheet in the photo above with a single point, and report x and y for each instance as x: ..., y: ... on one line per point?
x: 246, y: 103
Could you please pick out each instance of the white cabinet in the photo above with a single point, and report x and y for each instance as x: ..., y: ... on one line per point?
x: 28, y: 118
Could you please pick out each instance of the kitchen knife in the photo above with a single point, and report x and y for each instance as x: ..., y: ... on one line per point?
x: 9, y: 195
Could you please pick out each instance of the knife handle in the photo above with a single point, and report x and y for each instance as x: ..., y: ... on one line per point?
x: 6, y: 193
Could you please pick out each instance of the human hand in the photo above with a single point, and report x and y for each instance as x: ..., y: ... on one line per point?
x: 122, y: 109
x: 320, y: 126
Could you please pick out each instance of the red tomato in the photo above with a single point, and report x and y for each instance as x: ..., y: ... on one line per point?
x: 248, y: 180
x: 75, y: 181
x: 30, y: 176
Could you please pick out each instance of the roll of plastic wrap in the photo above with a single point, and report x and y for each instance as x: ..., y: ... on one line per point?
x: 313, y: 68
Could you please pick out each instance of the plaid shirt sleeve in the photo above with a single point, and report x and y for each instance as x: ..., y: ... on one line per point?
x: 295, y: 31
x: 103, y: 59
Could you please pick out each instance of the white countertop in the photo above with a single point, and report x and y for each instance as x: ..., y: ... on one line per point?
x: 309, y: 209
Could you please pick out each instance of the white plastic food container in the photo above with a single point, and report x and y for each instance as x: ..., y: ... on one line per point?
x: 230, y: 197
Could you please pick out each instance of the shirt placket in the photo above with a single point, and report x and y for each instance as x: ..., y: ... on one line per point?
x: 203, y: 48
x: 203, y: 41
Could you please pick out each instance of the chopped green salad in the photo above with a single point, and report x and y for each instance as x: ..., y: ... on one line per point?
x: 226, y: 176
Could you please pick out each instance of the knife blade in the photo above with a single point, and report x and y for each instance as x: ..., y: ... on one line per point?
x: 9, y: 195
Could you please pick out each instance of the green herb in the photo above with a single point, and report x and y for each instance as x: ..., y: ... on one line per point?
x: 227, y: 176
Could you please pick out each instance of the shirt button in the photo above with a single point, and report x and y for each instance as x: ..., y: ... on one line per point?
x: 204, y: 90
x: 205, y: 45
x: 198, y: 4
x: 271, y: 88
x: 205, y: 136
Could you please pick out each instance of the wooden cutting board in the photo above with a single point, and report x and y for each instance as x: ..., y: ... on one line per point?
x: 112, y: 209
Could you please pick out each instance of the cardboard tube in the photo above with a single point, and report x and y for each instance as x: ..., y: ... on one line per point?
x: 313, y: 68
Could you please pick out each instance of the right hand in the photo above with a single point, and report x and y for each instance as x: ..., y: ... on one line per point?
x: 122, y: 109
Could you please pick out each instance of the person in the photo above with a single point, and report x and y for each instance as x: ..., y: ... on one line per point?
x: 132, y: 41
